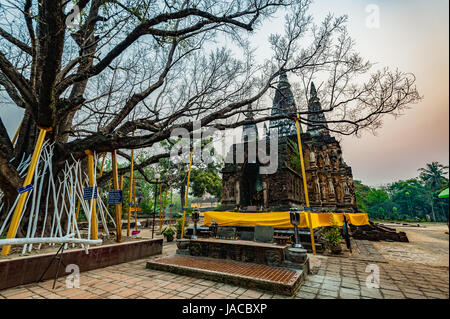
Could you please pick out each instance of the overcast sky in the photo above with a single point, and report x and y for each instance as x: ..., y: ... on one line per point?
x: 413, y: 36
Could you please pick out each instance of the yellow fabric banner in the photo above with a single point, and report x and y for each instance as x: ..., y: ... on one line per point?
x: 282, y: 219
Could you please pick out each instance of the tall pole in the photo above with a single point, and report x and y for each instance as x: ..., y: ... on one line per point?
x: 17, y: 133
x: 154, y: 206
x: 305, y: 186
x: 187, y: 193
x: 135, y: 207
x: 92, y: 184
x: 160, y: 204
x: 23, y: 196
x: 103, y: 164
x: 117, y: 206
x: 161, y: 221
x: 131, y: 191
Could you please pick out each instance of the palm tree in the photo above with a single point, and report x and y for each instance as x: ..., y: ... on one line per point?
x: 433, y: 175
x: 434, y: 179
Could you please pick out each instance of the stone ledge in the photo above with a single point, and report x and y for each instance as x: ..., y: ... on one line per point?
x: 25, y: 270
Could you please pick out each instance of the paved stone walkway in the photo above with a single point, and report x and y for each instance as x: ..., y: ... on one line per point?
x: 334, y: 277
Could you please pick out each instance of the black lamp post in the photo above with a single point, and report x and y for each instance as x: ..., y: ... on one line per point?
x: 295, y: 220
x: 195, y: 219
x: 157, y: 176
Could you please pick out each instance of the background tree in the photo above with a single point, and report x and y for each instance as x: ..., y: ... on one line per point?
x: 412, y: 199
x: 433, y: 177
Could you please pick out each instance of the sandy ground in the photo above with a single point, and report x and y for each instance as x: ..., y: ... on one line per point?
x: 429, y: 245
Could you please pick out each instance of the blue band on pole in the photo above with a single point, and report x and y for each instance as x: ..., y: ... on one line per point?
x: 25, y: 189
x: 308, y: 208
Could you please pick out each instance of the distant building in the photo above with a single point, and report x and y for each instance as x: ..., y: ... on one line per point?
x: 329, y: 178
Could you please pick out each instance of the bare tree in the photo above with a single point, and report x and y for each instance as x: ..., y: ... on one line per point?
x: 151, y: 66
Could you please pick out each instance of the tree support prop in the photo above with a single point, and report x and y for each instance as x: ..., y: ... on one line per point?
x: 131, y: 191
x: 117, y: 206
x: 305, y: 186
x: 92, y: 183
x: 187, y: 194
x: 22, y: 197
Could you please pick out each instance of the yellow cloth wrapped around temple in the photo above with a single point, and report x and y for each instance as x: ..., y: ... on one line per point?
x: 281, y: 220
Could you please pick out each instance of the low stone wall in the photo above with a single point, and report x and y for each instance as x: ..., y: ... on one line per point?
x: 25, y: 270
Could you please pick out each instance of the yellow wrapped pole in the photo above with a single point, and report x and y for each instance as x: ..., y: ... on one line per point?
x: 22, y: 197
x: 135, y: 207
x: 100, y: 190
x: 17, y: 133
x: 187, y: 193
x: 92, y: 182
x: 131, y: 191
x: 118, y: 207
x: 103, y: 165
x: 305, y: 186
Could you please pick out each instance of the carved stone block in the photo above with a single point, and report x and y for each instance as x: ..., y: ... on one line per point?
x: 264, y: 234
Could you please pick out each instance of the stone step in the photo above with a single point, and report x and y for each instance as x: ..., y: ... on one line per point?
x: 274, y: 279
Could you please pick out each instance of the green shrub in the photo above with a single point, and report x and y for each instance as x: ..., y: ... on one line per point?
x: 168, y: 231
x: 333, y: 237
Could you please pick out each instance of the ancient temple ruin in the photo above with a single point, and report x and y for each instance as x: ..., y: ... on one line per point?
x: 329, y: 178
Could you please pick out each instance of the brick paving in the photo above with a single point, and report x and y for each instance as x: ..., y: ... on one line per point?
x: 334, y: 277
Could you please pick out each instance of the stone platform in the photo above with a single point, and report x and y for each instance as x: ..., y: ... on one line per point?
x: 239, y: 250
x: 249, y: 275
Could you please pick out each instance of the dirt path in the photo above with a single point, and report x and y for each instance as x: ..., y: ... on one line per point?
x: 429, y: 245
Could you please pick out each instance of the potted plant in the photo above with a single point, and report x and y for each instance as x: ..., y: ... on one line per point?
x: 333, y: 239
x: 168, y: 232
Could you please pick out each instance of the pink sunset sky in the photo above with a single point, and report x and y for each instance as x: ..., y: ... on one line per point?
x: 414, y: 37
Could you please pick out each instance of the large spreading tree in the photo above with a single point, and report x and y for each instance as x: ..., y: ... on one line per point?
x: 96, y: 72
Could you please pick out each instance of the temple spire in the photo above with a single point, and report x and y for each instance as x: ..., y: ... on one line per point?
x: 283, y: 103
x: 317, y: 125
x: 250, y: 131
x: 313, y: 90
